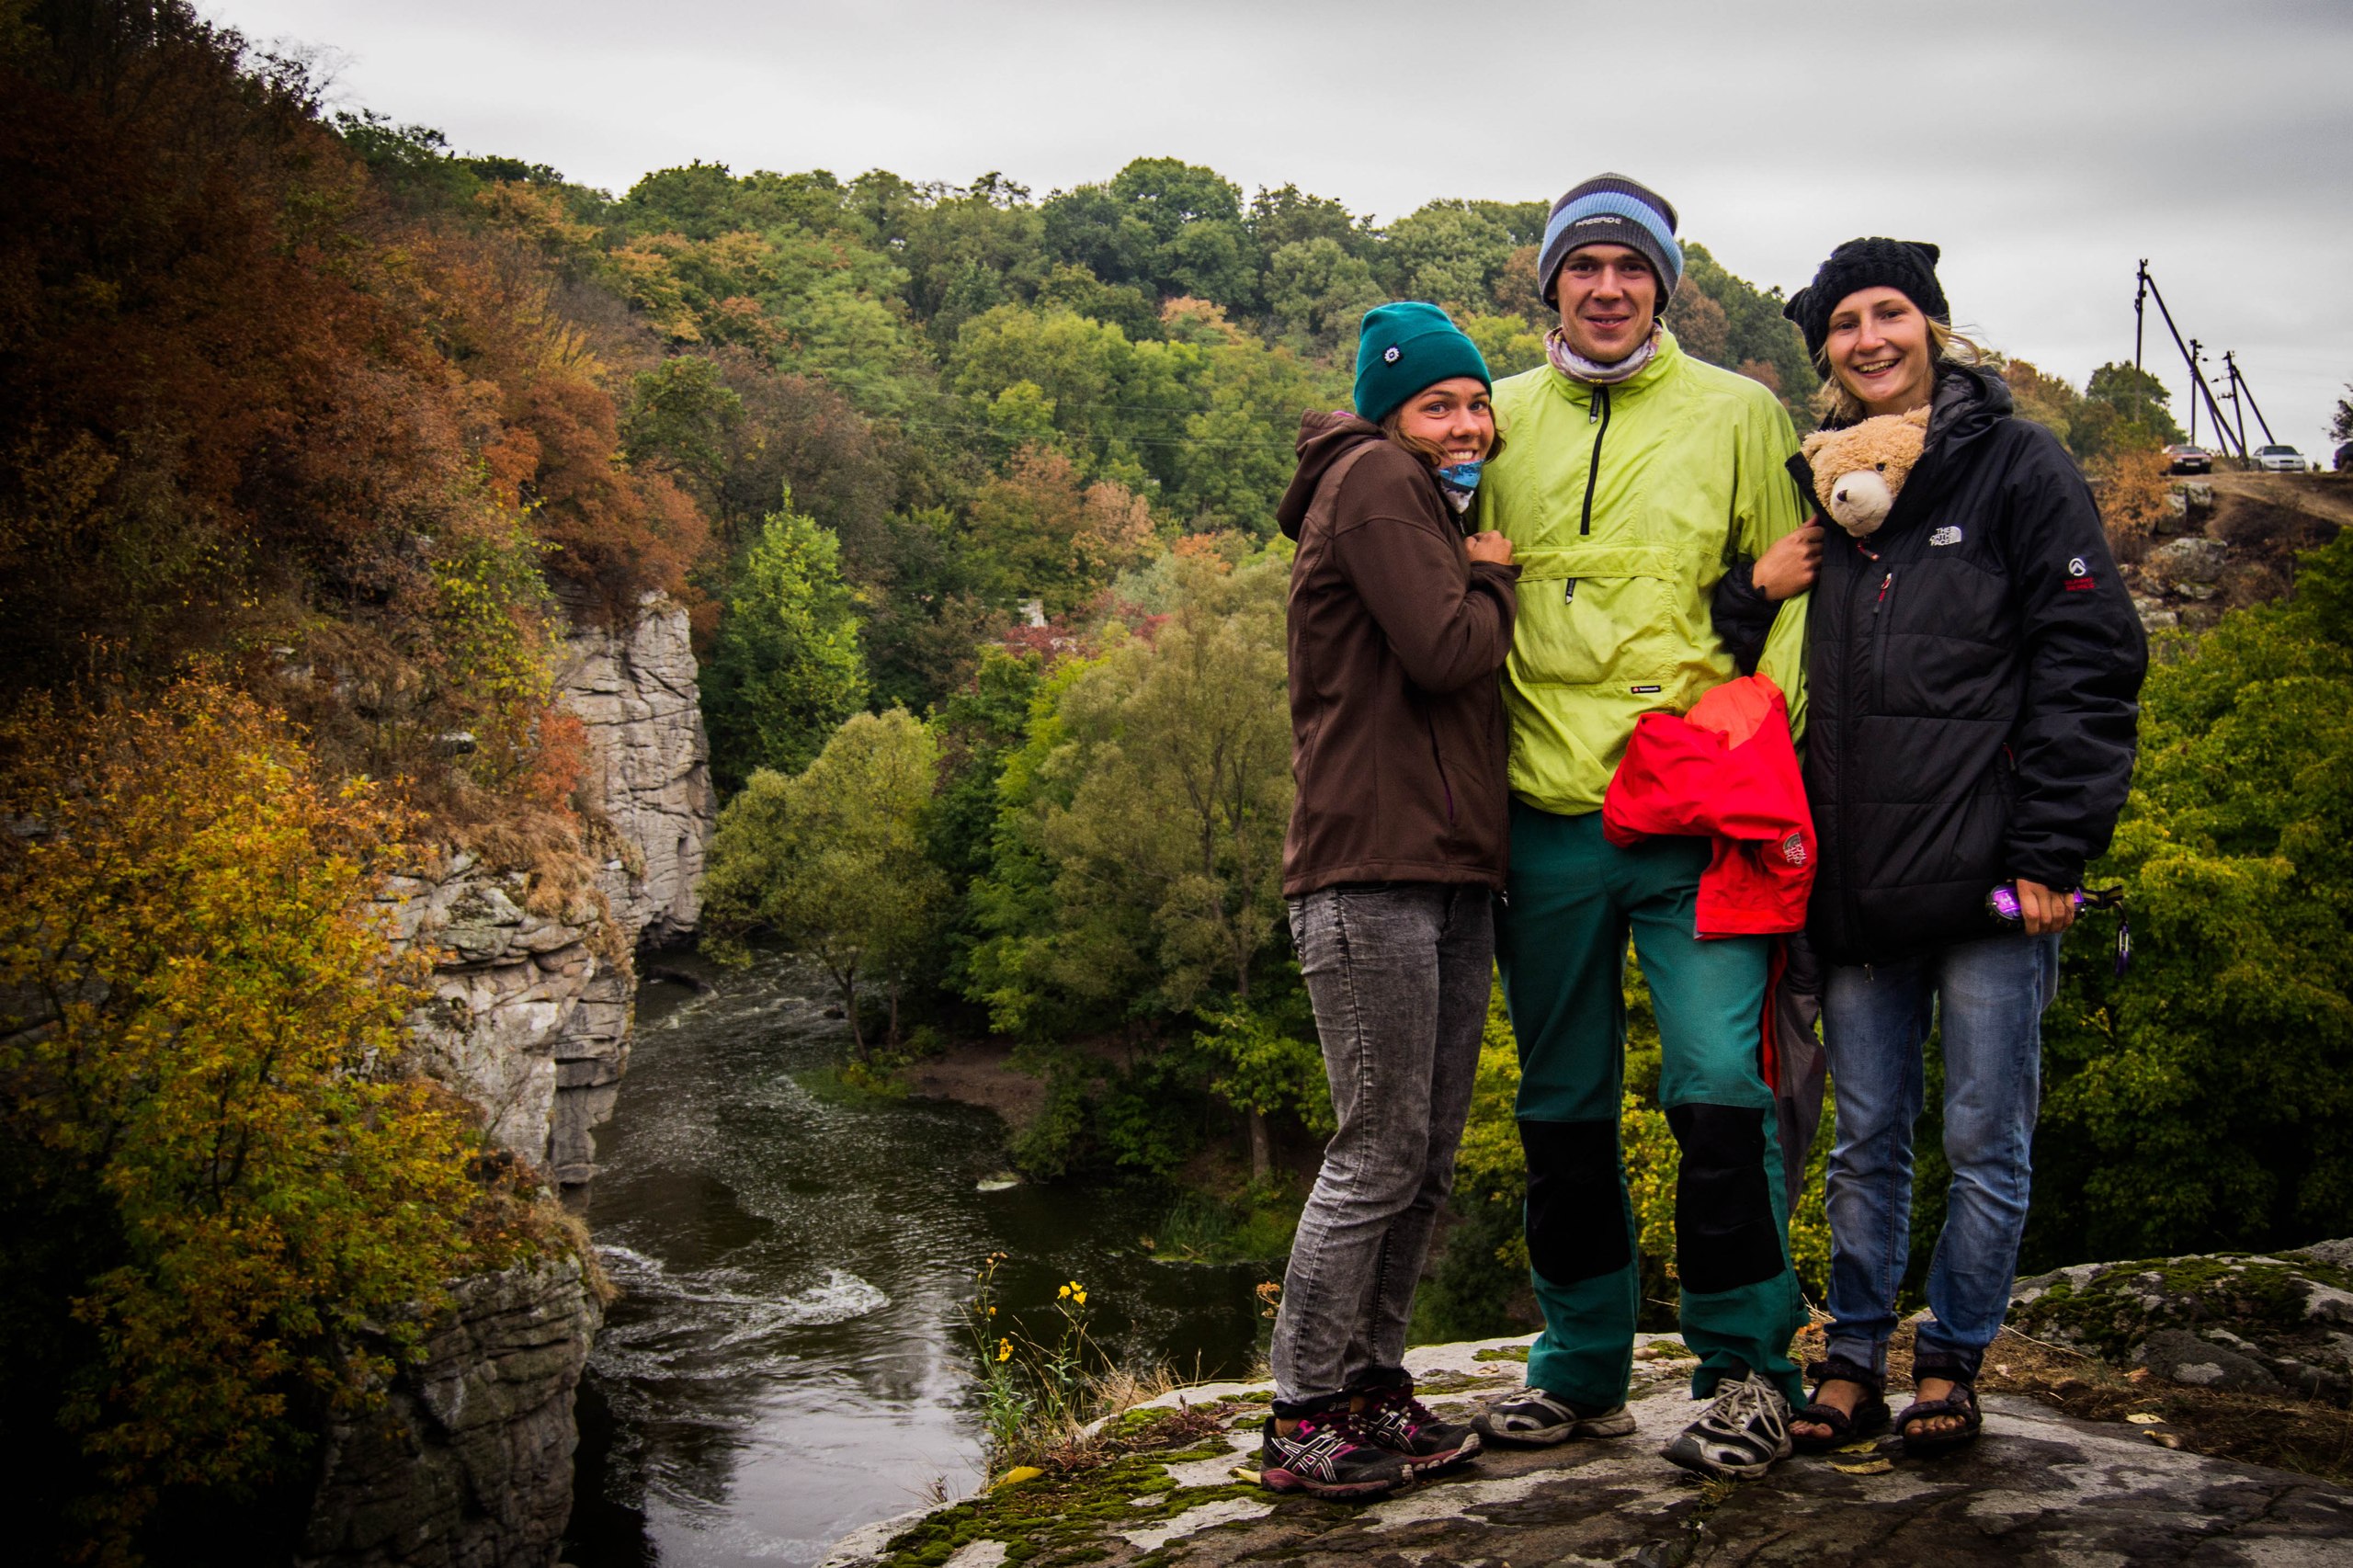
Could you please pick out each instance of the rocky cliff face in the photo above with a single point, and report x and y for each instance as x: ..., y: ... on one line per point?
x: 470, y: 1465
x: 531, y: 1010
x: 649, y: 770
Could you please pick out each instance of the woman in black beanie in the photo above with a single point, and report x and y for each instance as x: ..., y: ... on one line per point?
x: 1973, y: 669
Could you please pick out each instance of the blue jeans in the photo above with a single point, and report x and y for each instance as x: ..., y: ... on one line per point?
x: 1988, y: 997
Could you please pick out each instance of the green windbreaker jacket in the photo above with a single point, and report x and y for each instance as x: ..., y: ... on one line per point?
x: 1624, y: 505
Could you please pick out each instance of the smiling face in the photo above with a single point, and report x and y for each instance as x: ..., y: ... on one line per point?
x: 1608, y: 297
x: 1880, y: 349
x: 1451, y: 418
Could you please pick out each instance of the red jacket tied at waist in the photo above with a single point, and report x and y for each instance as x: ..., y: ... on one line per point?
x: 1726, y: 770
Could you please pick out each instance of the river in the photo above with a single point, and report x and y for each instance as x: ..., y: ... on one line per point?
x: 787, y: 1359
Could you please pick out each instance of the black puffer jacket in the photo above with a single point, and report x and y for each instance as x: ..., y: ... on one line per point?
x: 1974, y: 671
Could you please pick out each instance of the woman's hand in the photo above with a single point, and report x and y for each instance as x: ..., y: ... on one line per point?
x: 1490, y: 545
x: 1792, y: 563
x: 2044, y: 910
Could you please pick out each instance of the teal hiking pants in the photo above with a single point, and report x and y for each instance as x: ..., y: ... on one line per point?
x: 1560, y: 941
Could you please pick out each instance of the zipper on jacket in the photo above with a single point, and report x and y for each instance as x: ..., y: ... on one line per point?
x: 1599, y: 418
x: 1880, y: 626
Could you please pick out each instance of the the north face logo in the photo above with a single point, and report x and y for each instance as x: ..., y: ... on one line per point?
x: 1793, y: 849
x: 1945, y: 535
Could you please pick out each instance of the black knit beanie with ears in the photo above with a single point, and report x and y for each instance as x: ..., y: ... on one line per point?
x: 1908, y: 267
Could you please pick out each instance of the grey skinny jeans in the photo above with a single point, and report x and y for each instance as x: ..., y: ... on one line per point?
x: 1399, y: 973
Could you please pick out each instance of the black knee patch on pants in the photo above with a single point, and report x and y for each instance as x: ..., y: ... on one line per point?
x: 1576, y: 1209
x: 1724, y: 1233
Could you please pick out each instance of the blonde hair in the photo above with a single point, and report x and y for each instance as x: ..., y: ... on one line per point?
x: 1836, y: 405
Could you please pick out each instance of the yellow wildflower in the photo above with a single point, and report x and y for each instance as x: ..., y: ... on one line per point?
x: 1005, y: 1350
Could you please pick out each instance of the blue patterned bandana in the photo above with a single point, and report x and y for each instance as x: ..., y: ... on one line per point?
x: 1460, y: 481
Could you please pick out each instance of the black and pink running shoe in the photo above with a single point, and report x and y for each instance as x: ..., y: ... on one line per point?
x: 1327, y: 1455
x: 1392, y: 1418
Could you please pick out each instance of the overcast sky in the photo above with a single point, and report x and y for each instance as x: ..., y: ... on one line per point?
x: 2046, y: 146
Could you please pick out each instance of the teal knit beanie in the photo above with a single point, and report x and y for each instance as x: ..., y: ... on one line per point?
x: 1405, y: 347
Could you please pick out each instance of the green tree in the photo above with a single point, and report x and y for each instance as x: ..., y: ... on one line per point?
x: 1139, y: 860
x: 788, y: 667
x: 2205, y: 1098
x: 1447, y: 253
x: 681, y: 415
x: 1267, y: 1064
x: 830, y: 862
x: 1318, y: 292
x: 2139, y: 399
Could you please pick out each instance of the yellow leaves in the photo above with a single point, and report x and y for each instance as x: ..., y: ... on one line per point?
x: 220, y: 1071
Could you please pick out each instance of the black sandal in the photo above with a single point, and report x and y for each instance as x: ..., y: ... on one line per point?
x: 1961, y: 1403
x: 1869, y: 1418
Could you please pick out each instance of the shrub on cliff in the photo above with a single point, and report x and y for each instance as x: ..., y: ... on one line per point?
x: 213, y: 1173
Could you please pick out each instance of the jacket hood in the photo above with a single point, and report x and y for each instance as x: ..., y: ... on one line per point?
x: 1969, y: 403
x: 1324, y: 439
x: 1969, y: 400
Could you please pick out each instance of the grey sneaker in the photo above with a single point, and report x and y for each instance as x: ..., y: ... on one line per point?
x: 1533, y: 1418
x: 1743, y: 1432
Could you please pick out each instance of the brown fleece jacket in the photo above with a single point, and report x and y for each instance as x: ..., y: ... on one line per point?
x: 1395, y: 636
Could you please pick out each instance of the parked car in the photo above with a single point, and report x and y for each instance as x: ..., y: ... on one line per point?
x: 2183, y: 457
x: 2280, y: 459
x: 2345, y: 458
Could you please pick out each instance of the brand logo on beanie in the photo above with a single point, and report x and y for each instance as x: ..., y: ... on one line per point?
x: 1391, y: 353
x: 1610, y: 218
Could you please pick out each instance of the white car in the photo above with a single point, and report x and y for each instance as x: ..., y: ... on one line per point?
x: 2280, y: 459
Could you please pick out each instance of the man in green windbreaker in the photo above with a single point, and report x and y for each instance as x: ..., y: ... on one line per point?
x: 1633, y: 477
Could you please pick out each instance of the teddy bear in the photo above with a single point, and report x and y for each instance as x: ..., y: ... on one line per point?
x: 1859, y: 470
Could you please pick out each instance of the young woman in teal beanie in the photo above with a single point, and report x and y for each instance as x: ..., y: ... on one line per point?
x: 1399, y: 619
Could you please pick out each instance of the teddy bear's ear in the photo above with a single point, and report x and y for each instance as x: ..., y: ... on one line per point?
x: 1917, y: 416
x: 1814, y: 443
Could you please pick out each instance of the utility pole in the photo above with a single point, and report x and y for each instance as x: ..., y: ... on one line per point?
x: 2198, y: 383
x: 2238, y: 409
x: 2248, y: 393
x: 2199, y: 388
x: 2139, y: 308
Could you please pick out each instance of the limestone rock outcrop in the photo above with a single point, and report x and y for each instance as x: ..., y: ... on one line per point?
x: 470, y: 1463
x: 2253, y: 1322
x: 531, y: 1009
x: 522, y: 1001
x: 649, y: 765
x: 2038, y: 1488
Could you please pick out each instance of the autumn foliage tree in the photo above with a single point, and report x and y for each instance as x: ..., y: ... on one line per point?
x: 217, y: 1189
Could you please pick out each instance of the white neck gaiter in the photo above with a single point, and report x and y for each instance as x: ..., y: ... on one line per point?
x: 1578, y: 368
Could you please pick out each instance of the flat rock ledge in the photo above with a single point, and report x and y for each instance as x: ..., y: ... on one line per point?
x: 2037, y: 1489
